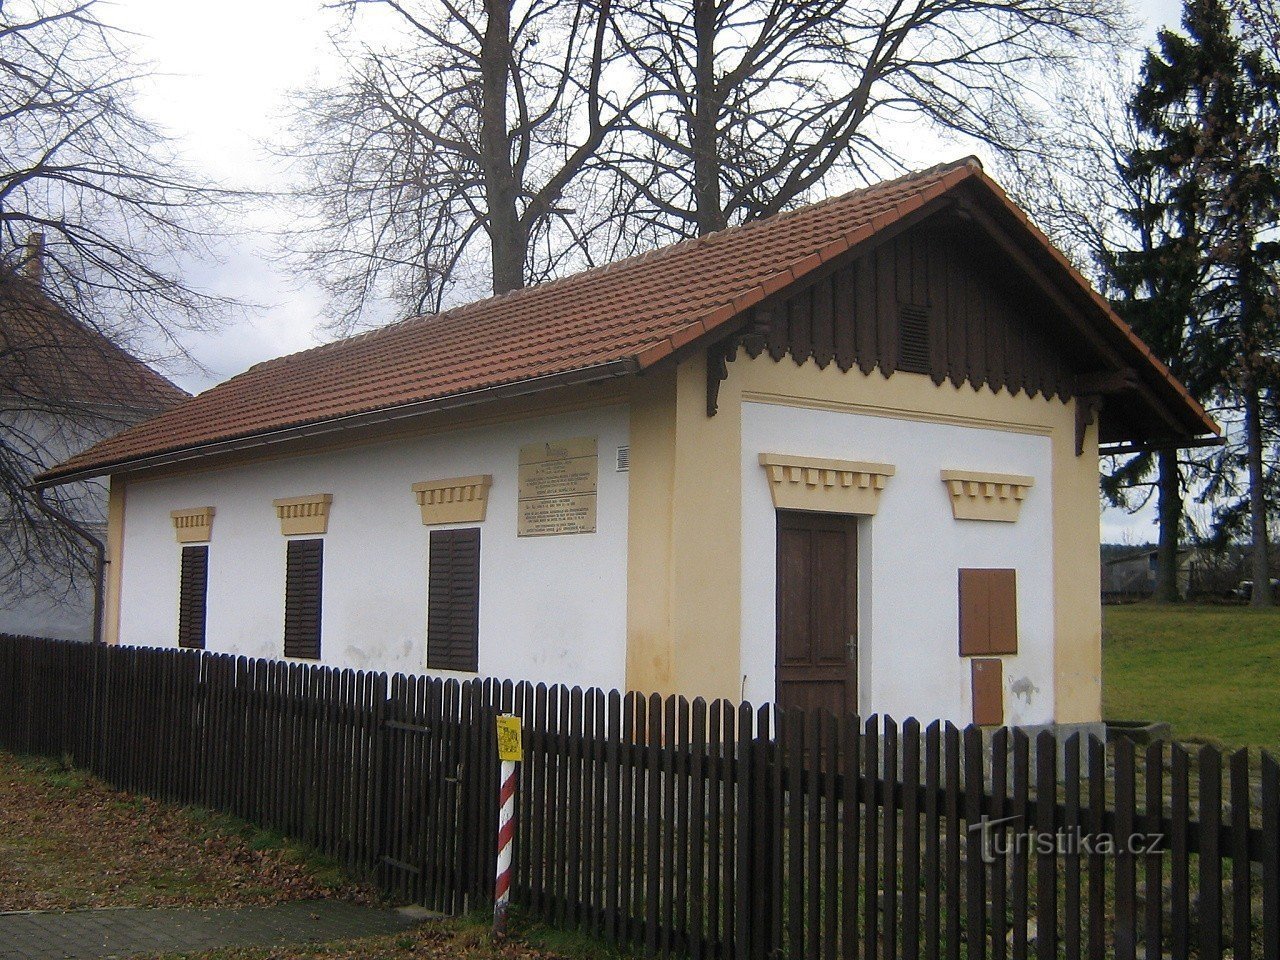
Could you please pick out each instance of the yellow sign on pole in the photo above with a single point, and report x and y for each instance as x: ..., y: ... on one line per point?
x: 510, y: 744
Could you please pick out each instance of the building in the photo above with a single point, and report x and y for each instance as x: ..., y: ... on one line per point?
x: 846, y: 456
x: 1132, y: 573
x: 64, y: 386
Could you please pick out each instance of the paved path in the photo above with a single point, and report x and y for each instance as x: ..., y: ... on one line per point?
x: 92, y: 934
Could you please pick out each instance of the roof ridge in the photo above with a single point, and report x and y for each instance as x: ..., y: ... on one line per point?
x: 614, y: 266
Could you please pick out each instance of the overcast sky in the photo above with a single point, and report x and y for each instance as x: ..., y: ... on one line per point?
x: 223, y: 75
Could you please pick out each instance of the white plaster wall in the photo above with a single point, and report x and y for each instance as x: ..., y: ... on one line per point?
x: 551, y: 608
x: 909, y: 555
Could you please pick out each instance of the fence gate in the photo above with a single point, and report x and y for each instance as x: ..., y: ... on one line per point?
x: 438, y: 787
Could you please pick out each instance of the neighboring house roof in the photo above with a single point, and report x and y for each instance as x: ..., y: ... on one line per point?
x: 1146, y: 554
x: 50, y: 359
x: 611, y: 321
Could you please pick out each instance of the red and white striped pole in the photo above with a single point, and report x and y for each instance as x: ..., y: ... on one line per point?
x: 509, y: 752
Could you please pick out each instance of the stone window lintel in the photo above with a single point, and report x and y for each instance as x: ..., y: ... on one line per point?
x: 453, y: 499
x: 980, y: 495
x: 193, y: 524
x: 305, y: 515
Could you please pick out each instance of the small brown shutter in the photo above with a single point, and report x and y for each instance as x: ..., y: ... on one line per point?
x: 1002, y: 593
x: 988, y: 612
x: 304, y: 571
x: 453, y: 600
x: 988, y: 692
x: 192, y: 594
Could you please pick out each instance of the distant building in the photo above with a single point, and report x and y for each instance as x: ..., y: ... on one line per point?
x: 63, y: 387
x: 1133, y: 574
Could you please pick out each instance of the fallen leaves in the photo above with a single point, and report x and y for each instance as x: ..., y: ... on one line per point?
x: 68, y: 840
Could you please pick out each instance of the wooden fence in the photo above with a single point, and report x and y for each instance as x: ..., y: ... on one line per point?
x: 707, y: 830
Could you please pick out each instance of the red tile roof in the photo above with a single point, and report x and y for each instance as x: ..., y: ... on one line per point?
x: 49, y: 359
x: 634, y: 312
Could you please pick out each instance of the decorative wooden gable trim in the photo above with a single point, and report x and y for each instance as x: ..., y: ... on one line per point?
x: 935, y: 299
x: 454, y: 500
x: 827, y: 486
x: 307, y: 515
x: 193, y: 525
x: 986, y: 496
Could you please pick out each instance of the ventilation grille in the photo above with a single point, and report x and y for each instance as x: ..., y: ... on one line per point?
x: 913, y: 338
x: 624, y: 459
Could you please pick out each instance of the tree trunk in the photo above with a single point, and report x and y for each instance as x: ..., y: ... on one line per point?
x: 1261, y: 559
x: 508, y: 243
x: 1169, y: 508
x: 706, y: 112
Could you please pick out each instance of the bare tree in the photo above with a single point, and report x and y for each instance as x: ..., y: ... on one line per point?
x: 1260, y: 23
x: 103, y: 191
x: 455, y: 156
x: 749, y: 105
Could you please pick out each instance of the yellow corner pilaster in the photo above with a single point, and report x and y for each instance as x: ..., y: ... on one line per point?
x: 650, y: 486
x: 1077, y: 588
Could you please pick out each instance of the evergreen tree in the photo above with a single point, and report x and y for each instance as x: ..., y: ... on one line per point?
x: 1209, y: 104
x: 1154, y: 285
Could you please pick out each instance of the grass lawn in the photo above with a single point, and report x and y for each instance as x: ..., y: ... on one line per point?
x: 1213, y: 672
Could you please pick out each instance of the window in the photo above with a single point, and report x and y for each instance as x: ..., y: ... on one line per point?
x: 303, y: 576
x: 988, y: 612
x: 453, y: 600
x: 192, y: 594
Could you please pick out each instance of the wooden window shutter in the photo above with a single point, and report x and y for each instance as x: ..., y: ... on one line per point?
x: 913, y: 338
x: 453, y: 600
x: 988, y: 612
x: 302, y: 587
x: 192, y: 597
x: 988, y: 692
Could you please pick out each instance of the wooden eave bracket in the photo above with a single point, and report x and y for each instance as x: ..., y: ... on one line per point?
x: 1088, y: 406
x: 752, y: 336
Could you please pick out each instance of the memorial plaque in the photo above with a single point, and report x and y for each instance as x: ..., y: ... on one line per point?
x: 557, y: 488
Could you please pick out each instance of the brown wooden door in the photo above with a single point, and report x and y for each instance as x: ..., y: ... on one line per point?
x: 817, y: 611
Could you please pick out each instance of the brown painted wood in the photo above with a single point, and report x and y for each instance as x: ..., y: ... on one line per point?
x: 192, y: 592
x: 674, y: 823
x: 817, y: 611
x: 988, y: 612
x: 453, y: 600
x: 304, y: 578
x: 937, y: 299
x: 1209, y: 835
x: 988, y: 691
x: 1153, y: 862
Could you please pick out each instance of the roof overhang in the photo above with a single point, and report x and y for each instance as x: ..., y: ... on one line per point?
x: 302, y: 431
x: 1137, y: 397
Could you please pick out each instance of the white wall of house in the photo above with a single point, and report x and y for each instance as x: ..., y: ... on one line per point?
x: 551, y: 608
x: 50, y: 599
x: 909, y: 555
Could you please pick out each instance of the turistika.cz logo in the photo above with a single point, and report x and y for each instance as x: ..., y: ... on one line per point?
x: 1000, y: 839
